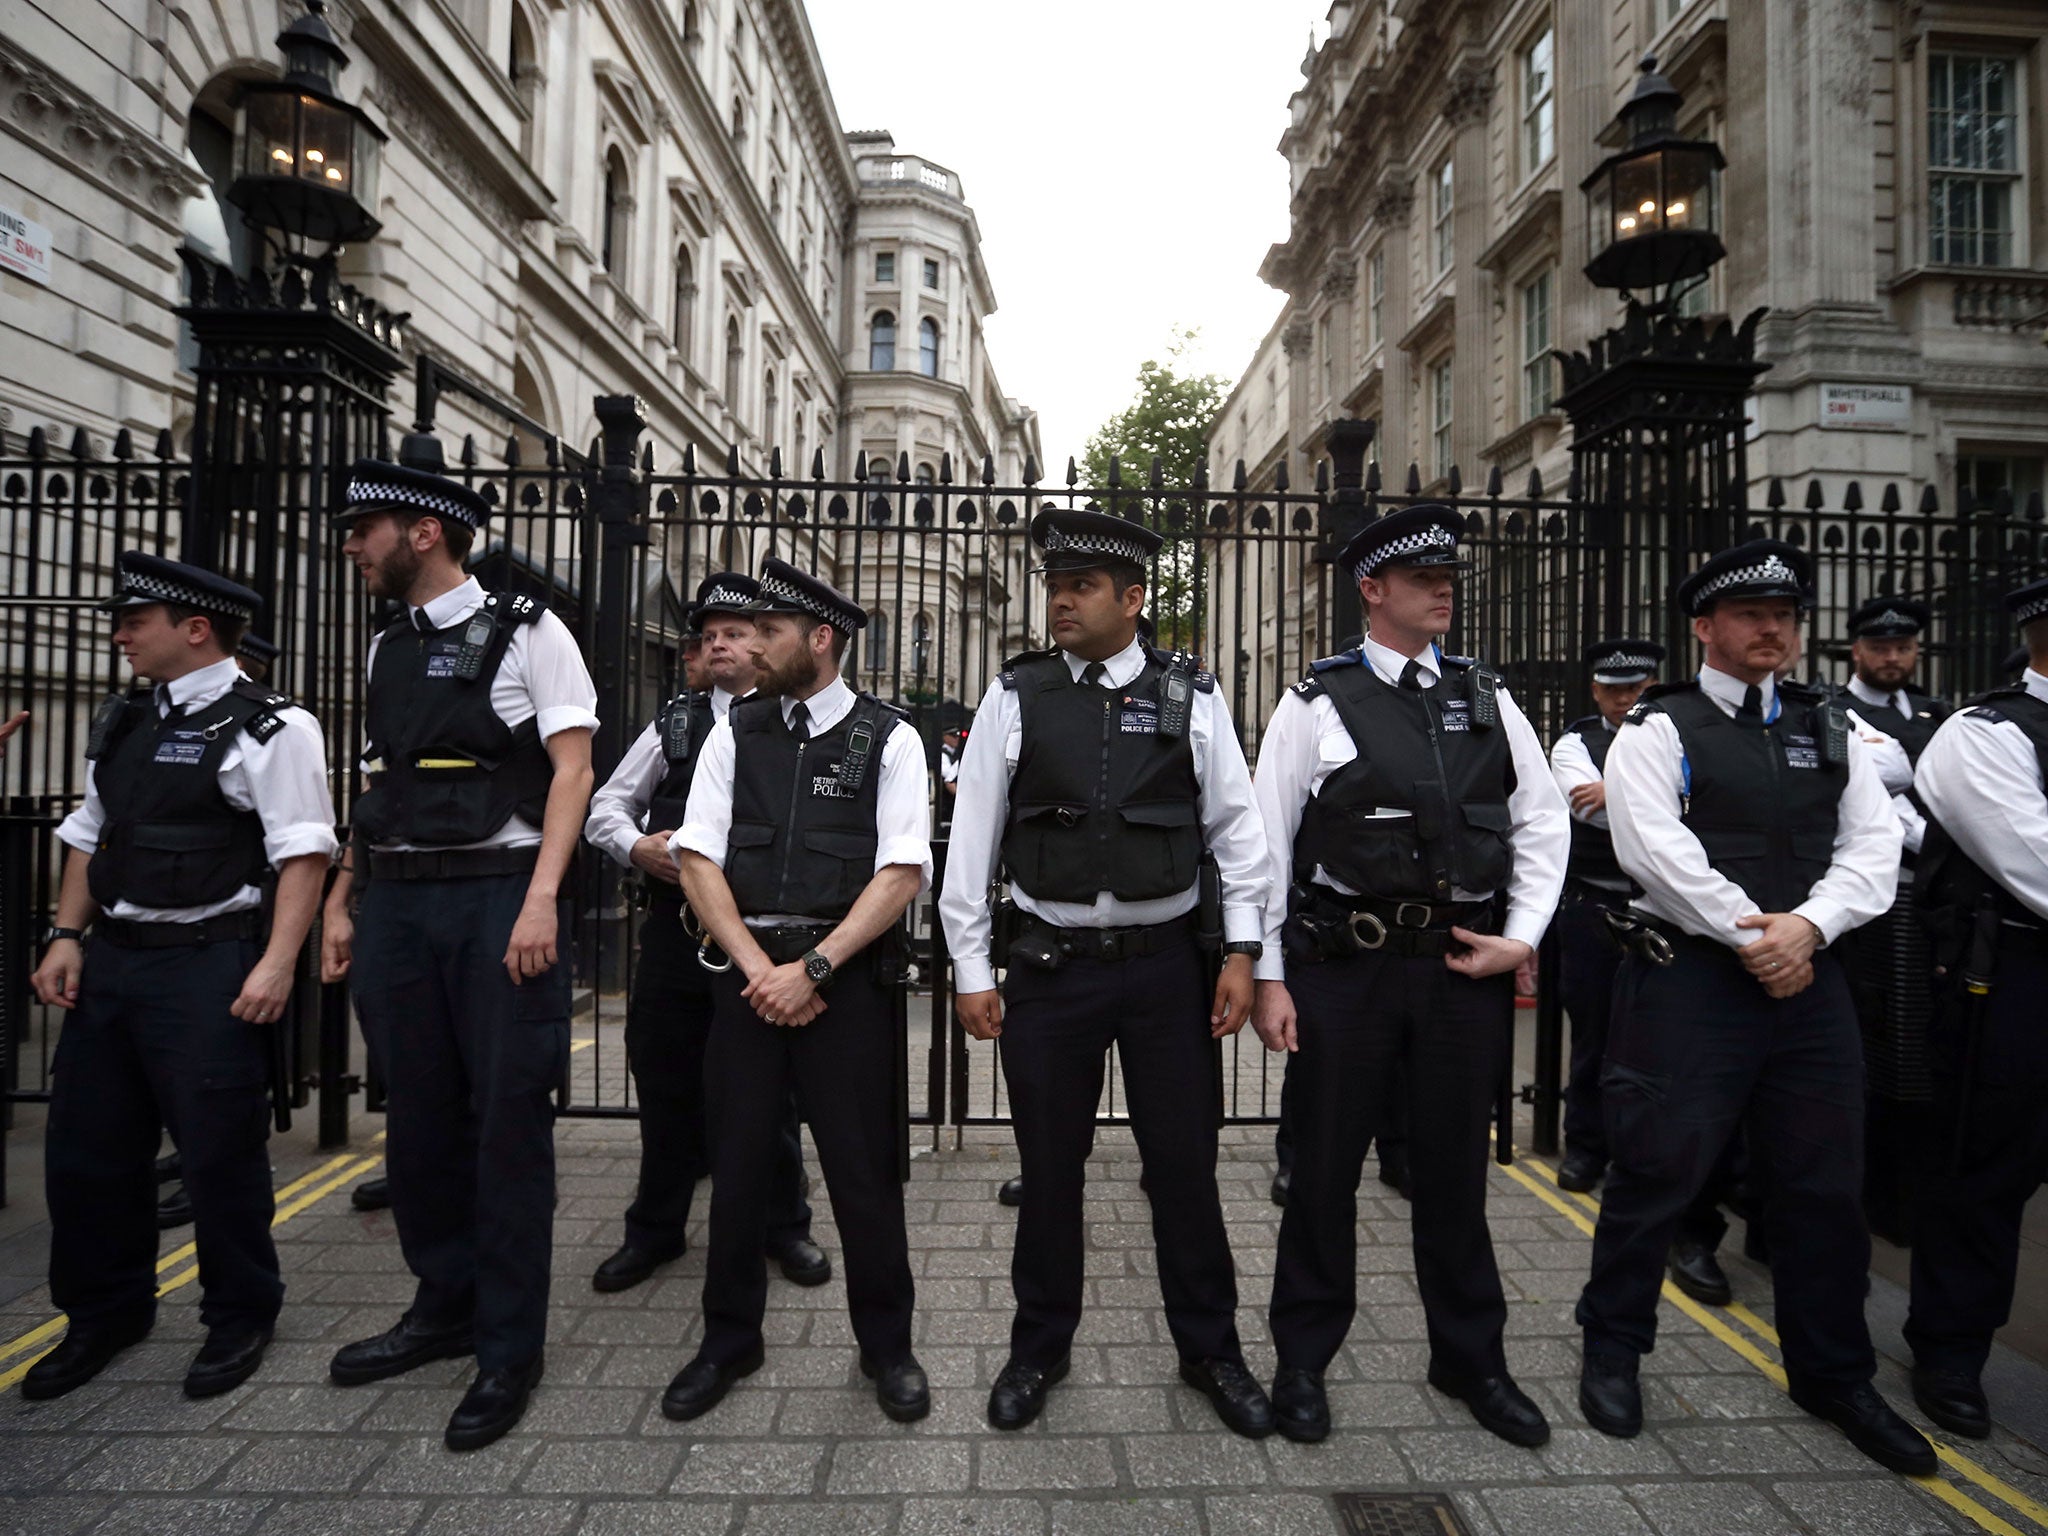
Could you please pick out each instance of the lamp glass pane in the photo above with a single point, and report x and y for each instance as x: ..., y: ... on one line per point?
x: 327, y: 136
x: 1689, y: 189
x: 269, y: 134
x: 1636, y: 192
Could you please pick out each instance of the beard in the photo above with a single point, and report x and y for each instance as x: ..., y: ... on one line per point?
x: 793, y: 676
x: 394, y: 575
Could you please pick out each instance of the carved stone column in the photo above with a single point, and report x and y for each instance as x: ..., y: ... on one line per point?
x: 1391, y: 213
x: 1465, y: 111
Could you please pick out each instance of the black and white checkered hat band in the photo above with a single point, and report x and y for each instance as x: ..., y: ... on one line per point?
x: 161, y: 589
x: 363, y: 492
x: 1432, y: 537
x: 724, y: 597
x: 2031, y: 610
x: 1106, y: 545
x: 1626, y: 664
x: 1769, y: 569
x: 844, y: 619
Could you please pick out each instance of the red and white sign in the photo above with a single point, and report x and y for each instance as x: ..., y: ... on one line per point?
x: 24, y: 247
x: 1866, y: 405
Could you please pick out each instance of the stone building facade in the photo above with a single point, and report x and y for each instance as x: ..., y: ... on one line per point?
x: 1886, y: 197
x: 579, y: 197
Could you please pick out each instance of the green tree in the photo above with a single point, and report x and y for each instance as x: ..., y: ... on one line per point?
x: 1169, y: 419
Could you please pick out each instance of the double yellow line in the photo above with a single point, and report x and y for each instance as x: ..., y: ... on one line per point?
x: 299, y: 1195
x: 1580, y: 1210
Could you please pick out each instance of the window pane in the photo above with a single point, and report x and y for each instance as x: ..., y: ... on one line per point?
x: 885, y: 266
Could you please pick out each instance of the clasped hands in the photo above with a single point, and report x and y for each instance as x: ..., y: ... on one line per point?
x: 1782, y: 960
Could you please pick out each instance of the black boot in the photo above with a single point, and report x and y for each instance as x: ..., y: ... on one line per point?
x: 1955, y: 1400
x: 1018, y: 1396
x: 1580, y: 1170
x: 495, y: 1402
x: 371, y: 1195
x: 1012, y: 1192
x: 228, y: 1358
x: 1871, y: 1425
x: 85, y: 1352
x: 632, y: 1263
x: 175, y: 1209
x: 1610, y: 1396
x: 1695, y: 1271
x: 1301, y: 1409
x: 901, y: 1389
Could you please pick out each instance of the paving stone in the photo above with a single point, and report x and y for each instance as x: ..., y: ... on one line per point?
x: 1863, y: 1506
x: 154, y: 1464
x: 50, y: 1514
x: 602, y: 1466
x: 804, y: 1519
x: 1715, y: 1448
x: 1470, y: 1455
x: 1378, y: 1405
x: 1720, y: 1397
x: 787, y: 1468
x: 323, y: 1408
x: 971, y: 1517
x: 176, y: 1517
x: 1044, y: 1462
x: 428, y: 1466
x: 1578, y: 1452
x: 1124, y: 1517
x: 1348, y: 1459
x: 1270, y: 1514
x: 301, y: 1464
x: 160, y: 1406
x: 583, y: 1411
x: 744, y: 1414
x: 1213, y: 1460
x: 342, y: 1517
x: 1709, y: 1509
x: 1072, y: 1410
x: 1582, y: 1511
x: 495, y: 1517
x: 655, y: 1517
x: 27, y: 1462
x: 881, y: 1466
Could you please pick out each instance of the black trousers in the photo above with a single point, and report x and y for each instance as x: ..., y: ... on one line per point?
x: 472, y: 1063
x: 1967, y: 1222
x: 1372, y: 1026
x: 1058, y: 1027
x: 151, y: 1045
x: 1697, y: 1050
x: 668, y: 1023
x: 1391, y: 1139
x: 843, y: 1066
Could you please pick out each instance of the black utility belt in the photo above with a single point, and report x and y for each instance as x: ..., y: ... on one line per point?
x: 1578, y: 890
x: 2022, y: 937
x: 130, y: 934
x: 452, y: 863
x: 790, y: 941
x: 1045, y: 948
x: 1323, y: 924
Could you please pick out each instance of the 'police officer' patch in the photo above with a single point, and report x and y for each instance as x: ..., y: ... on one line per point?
x: 826, y: 786
x: 441, y: 655
x: 1457, y: 714
x: 1801, y: 751
x: 1140, y: 717
x: 182, y: 749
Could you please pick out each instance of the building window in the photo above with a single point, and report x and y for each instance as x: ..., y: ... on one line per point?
x: 882, y: 342
x: 1536, y: 346
x: 734, y: 355
x: 926, y: 475
x: 1442, y: 197
x: 921, y: 644
x: 876, y: 638
x: 885, y: 267
x: 1376, y: 297
x: 692, y: 27
x: 1440, y: 417
x: 798, y: 465
x: 928, y: 347
x: 618, y: 208
x: 775, y: 197
x: 739, y: 118
x: 931, y: 273
x: 825, y: 305
x: 1539, y: 104
x: 1325, y: 360
x: 1984, y: 475
x: 1976, y: 180
x: 1665, y: 12
x: 685, y: 299
x: 769, y: 401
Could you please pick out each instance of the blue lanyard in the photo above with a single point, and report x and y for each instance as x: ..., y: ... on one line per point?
x: 1685, y: 763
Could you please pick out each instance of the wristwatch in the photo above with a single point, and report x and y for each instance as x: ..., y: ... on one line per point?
x: 818, y: 968
x: 1253, y: 947
x: 55, y: 933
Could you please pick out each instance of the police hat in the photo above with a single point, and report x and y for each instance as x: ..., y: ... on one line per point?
x: 376, y: 486
x: 1422, y: 535
x: 1081, y: 541
x: 2028, y: 603
x: 2016, y: 661
x: 1889, y: 618
x: 1624, y: 661
x: 141, y: 579
x: 785, y: 589
x: 1760, y: 568
x: 723, y: 592
x: 254, y: 648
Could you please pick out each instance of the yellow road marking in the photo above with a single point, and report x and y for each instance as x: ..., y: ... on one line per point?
x: 1947, y: 1492
x: 342, y: 1169
x: 581, y: 1045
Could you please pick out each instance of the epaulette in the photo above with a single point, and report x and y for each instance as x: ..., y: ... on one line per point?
x: 1803, y: 693
x: 1461, y: 661
x: 1205, y: 680
x: 269, y: 717
x: 1583, y: 720
x: 1312, y: 686
x: 1008, y: 676
x: 517, y: 607
x: 1646, y: 705
x: 1982, y: 706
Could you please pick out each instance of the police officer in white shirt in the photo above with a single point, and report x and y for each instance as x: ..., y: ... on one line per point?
x: 478, y: 725
x: 806, y: 837
x: 1751, y: 816
x: 1986, y: 870
x: 197, y: 788
x: 1418, y: 847
x: 1098, y: 772
x: 668, y: 1016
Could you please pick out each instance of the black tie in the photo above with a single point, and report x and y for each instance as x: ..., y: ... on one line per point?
x: 421, y: 622
x: 1092, y: 674
x: 799, y: 721
x: 165, y: 708
x: 1411, y: 677
x: 1752, y: 704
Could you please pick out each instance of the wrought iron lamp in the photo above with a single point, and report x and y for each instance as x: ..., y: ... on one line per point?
x: 1653, y: 208
x: 306, y: 161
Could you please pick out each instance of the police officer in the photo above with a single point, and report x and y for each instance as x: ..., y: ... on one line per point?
x: 1418, y: 847
x: 806, y: 836
x: 1986, y: 868
x: 198, y: 786
x: 1098, y: 772
x: 1754, y: 821
x: 478, y: 727
x: 668, y: 1017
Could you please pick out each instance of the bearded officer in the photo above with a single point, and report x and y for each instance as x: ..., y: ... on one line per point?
x: 478, y: 728
x: 668, y: 1017
x: 1982, y: 780
x: 196, y: 789
x: 1753, y: 819
x: 807, y: 835
x: 1418, y: 846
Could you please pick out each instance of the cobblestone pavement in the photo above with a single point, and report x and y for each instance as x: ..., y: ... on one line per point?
x: 802, y: 1447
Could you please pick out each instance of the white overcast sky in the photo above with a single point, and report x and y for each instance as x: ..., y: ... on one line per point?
x: 1120, y: 157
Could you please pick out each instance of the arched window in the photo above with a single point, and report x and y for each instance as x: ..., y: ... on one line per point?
x: 928, y: 347
x: 522, y: 68
x: 882, y: 342
x: 692, y: 28
x: 921, y: 644
x: 734, y: 354
x: 877, y: 637
x: 768, y: 404
x: 685, y: 299
x: 774, y: 197
x: 926, y: 475
x: 799, y: 467
x: 739, y: 118
x: 615, y: 235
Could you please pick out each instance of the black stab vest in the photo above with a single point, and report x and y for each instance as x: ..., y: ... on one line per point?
x: 170, y: 838
x: 453, y: 772
x: 802, y: 840
x: 1949, y: 878
x: 1420, y: 752
x: 1100, y: 800
x: 1763, y: 800
x: 1913, y: 731
x: 1592, y: 856
x: 681, y: 741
